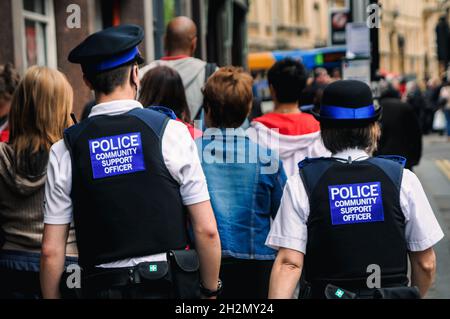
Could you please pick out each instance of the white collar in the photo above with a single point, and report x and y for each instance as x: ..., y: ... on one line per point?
x: 354, y: 154
x: 115, y: 107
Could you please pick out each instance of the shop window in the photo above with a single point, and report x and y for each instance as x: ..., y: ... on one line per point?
x: 34, y: 29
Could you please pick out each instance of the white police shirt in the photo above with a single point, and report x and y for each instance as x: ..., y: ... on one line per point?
x: 180, y: 156
x: 289, y: 230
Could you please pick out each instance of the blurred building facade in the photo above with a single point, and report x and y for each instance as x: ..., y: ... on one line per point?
x: 407, y: 33
x: 36, y: 32
x: 289, y: 24
x: 408, y: 37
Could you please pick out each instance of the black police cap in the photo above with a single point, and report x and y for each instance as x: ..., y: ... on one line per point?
x: 109, y: 49
x: 347, y: 103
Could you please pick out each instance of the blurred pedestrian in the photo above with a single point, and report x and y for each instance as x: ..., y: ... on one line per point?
x: 321, y: 77
x: 445, y: 107
x: 245, y: 187
x: 415, y: 98
x: 401, y: 133
x: 162, y: 87
x: 180, y: 45
x: 297, y: 134
x: 432, y: 104
x: 40, y: 112
x: 9, y: 80
x: 336, y: 74
x: 352, y: 211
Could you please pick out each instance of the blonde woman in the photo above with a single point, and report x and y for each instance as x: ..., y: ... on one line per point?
x: 40, y: 112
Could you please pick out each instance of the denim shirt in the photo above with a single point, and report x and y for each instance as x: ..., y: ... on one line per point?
x: 246, y: 183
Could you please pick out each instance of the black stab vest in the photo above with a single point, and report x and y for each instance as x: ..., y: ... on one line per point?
x: 125, y: 202
x: 355, y: 221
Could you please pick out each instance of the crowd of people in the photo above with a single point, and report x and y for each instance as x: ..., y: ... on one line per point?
x: 136, y: 187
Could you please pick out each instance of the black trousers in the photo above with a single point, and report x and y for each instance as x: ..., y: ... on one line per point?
x: 16, y: 284
x: 245, y: 279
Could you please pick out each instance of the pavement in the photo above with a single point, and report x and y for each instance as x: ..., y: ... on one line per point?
x: 434, y: 173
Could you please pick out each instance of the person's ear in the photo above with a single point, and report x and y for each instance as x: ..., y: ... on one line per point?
x: 135, y: 76
x: 87, y: 83
x: 194, y: 46
x: 273, y: 93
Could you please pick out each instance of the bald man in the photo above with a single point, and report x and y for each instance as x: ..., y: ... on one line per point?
x: 180, y: 44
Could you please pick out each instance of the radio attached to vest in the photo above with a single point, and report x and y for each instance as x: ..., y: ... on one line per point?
x: 126, y: 203
x: 355, y: 221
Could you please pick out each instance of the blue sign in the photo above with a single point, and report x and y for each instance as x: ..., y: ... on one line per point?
x: 356, y: 203
x: 116, y: 155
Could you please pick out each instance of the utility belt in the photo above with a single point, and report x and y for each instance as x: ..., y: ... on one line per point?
x: 176, y: 278
x: 394, y: 289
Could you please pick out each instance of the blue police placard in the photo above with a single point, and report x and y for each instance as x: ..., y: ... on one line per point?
x: 117, y: 155
x: 356, y: 203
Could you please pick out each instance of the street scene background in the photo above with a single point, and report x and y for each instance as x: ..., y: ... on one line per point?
x: 408, y: 45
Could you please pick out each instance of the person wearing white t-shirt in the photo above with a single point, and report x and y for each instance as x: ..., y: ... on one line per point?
x: 127, y: 176
x: 344, y: 216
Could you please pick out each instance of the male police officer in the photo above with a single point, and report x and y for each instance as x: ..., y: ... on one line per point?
x: 340, y: 216
x: 125, y: 176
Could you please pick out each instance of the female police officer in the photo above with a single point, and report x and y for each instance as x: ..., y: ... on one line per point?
x: 125, y: 176
x: 343, y: 215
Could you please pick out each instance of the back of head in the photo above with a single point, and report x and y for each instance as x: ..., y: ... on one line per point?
x: 288, y: 80
x: 228, y: 97
x: 163, y: 86
x: 9, y: 80
x: 348, y: 117
x: 40, y: 112
x: 108, y: 81
x: 387, y: 90
x: 180, y: 37
x: 109, y: 57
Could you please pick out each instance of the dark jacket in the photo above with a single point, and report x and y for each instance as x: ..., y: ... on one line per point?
x: 401, y: 132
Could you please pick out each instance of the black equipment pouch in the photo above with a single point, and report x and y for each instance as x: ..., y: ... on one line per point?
x: 184, y: 267
x: 333, y: 292
x: 157, y: 275
x: 154, y: 271
x: 398, y: 293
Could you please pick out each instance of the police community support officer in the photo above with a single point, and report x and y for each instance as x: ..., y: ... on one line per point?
x: 124, y: 177
x: 342, y: 214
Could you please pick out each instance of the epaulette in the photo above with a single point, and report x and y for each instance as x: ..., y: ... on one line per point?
x: 395, y: 158
x: 164, y: 110
x: 307, y: 161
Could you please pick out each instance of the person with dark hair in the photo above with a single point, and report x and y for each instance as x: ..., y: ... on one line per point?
x: 180, y: 44
x: 9, y: 80
x: 352, y: 211
x: 401, y: 133
x: 162, y: 87
x: 245, y: 181
x: 129, y: 178
x: 298, y: 133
